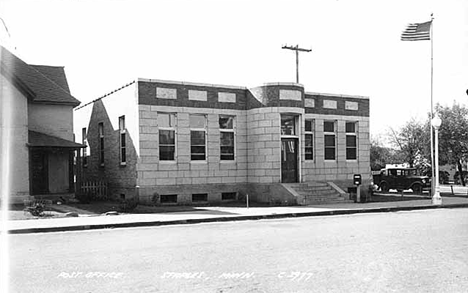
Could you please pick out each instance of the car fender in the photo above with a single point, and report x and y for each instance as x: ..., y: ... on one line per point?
x: 416, y: 183
x: 384, y: 181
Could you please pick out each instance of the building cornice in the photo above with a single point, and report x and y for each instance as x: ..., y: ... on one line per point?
x: 192, y: 83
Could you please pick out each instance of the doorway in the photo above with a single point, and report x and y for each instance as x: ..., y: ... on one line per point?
x: 289, y: 156
x: 39, y: 172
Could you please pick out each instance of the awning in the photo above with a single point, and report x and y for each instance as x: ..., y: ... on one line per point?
x: 37, y: 139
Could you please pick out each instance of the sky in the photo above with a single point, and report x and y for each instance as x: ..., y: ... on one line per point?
x: 356, y: 47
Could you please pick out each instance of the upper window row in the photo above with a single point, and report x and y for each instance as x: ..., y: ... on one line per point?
x: 329, y: 129
x: 198, y: 136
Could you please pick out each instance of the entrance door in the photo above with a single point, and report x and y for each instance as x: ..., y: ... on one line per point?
x: 39, y: 172
x: 289, y: 164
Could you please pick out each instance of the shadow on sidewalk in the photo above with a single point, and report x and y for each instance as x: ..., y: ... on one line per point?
x: 99, y: 208
x: 397, y: 196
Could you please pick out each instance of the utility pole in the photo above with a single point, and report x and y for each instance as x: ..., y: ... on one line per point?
x: 297, y: 49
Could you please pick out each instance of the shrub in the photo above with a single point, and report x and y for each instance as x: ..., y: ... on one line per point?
x: 128, y: 205
x: 155, y: 199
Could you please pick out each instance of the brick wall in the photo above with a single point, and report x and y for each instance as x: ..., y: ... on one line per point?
x: 320, y: 169
x: 264, y: 145
x: 257, y: 166
x: 183, y: 174
x: 121, y: 178
x: 148, y: 95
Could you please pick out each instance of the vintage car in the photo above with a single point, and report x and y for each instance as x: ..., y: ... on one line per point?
x: 402, y: 179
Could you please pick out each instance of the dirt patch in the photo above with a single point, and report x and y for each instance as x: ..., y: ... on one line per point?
x: 17, y: 212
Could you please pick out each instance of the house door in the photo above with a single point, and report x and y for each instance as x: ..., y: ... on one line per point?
x: 39, y: 172
x: 289, y: 173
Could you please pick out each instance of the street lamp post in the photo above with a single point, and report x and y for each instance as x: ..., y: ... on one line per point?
x: 436, y: 199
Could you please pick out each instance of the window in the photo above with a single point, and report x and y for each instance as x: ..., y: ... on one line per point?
x: 85, y: 149
x: 226, y: 129
x: 197, y: 197
x: 123, y: 141
x: 166, y: 125
x: 309, y: 139
x: 288, y: 125
x: 101, y: 143
x: 168, y: 198
x: 330, y: 140
x: 198, y: 137
x: 228, y: 195
x: 351, y: 141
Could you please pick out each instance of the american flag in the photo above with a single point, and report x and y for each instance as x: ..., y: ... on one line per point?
x: 417, y: 32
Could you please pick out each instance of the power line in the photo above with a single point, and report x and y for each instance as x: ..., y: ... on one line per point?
x: 297, y: 49
x: 8, y: 32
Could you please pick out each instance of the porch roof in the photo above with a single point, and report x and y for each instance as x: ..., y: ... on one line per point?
x: 38, y: 139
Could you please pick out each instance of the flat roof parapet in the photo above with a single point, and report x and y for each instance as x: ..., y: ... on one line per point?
x: 283, y: 84
x: 337, y: 95
x: 192, y: 83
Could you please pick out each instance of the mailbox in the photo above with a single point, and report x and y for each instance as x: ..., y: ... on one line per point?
x: 357, y: 179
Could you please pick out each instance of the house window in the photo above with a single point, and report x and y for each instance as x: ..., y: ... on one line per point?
x: 309, y: 139
x: 330, y: 140
x: 199, y: 197
x: 85, y: 149
x: 198, y: 137
x: 167, y: 129
x: 228, y: 195
x: 226, y: 129
x: 101, y: 143
x: 168, y: 198
x: 351, y: 141
x: 288, y: 125
x: 123, y: 141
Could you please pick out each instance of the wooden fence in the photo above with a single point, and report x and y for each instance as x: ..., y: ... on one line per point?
x: 95, y: 189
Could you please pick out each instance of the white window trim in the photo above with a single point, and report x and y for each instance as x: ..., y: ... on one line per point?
x: 84, y: 140
x: 312, y: 132
x: 122, y: 131
x: 296, y: 125
x: 206, y: 138
x: 355, y: 133
x: 330, y: 133
x: 233, y: 130
x: 174, y: 128
x: 101, y: 136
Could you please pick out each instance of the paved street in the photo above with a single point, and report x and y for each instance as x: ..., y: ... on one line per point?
x: 417, y: 251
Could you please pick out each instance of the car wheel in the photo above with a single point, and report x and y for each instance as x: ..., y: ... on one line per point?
x: 384, y: 187
x: 417, y: 189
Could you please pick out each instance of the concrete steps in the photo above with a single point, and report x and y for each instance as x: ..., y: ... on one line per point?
x: 313, y: 193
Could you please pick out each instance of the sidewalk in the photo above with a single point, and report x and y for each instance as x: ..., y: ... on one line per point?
x: 221, y: 214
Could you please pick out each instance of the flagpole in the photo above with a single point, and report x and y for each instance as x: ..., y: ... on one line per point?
x: 432, y: 107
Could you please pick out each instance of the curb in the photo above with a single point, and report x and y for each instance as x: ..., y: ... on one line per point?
x: 230, y: 219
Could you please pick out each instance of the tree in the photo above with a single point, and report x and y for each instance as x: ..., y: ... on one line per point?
x: 381, y: 155
x: 453, y: 135
x: 412, y: 140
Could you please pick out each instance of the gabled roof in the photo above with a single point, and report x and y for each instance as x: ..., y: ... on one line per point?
x: 48, y: 83
x: 38, y: 139
x: 54, y: 73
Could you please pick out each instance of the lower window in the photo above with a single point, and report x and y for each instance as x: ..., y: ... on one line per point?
x: 166, y: 145
x: 228, y: 195
x: 199, y: 197
x: 169, y: 198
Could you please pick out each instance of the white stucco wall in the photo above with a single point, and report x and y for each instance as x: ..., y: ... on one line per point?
x: 55, y: 120
x: 14, y: 155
